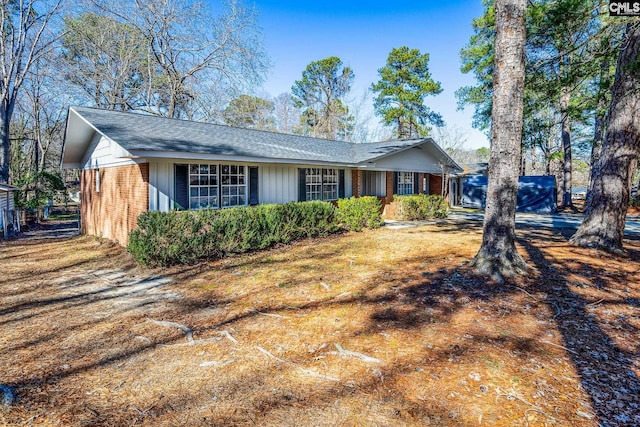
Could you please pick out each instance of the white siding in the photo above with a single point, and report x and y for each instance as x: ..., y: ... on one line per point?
x: 6, y: 200
x: 104, y: 152
x: 161, y: 186
x: 417, y: 159
x: 277, y: 183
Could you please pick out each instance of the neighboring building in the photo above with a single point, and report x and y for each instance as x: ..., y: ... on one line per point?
x: 456, y: 183
x: 6, y: 196
x: 7, y: 208
x: 132, y: 163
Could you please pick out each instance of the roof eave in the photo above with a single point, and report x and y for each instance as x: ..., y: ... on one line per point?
x: 148, y: 154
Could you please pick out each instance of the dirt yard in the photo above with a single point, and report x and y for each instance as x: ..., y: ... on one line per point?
x: 384, y: 327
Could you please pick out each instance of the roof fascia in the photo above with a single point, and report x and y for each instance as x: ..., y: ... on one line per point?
x: 203, y: 156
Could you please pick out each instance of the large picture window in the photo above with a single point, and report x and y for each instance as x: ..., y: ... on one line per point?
x: 405, y: 183
x: 214, y: 186
x: 321, y: 184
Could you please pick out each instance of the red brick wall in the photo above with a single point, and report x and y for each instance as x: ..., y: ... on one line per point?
x: 124, y: 195
x: 356, y: 183
x: 435, y: 184
x: 389, y: 189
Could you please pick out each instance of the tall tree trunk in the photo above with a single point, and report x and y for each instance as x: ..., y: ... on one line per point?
x: 599, y: 122
x: 498, y: 256
x: 5, y: 119
x: 605, y: 216
x: 565, y: 98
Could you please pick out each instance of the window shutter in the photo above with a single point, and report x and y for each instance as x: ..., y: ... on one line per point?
x: 181, y: 197
x: 416, y: 184
x: 341, y: 184
x: 395, y: 183
x: 253, y: 185
x: 302, y: 185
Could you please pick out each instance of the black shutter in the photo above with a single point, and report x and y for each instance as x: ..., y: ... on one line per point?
x: 395, y: 183
x: 181, y: 187
x: 302, y: 185
x: 341, y: 184
x: 416, y: 184
x: 253, y: 185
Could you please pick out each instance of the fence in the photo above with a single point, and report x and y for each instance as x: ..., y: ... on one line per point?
x: 9, y: 222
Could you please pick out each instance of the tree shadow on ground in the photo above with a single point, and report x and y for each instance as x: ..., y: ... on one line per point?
x: 606, y: 370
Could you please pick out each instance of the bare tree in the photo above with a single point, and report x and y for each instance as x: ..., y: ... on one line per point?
x: 608, y: 196
x: 286, y: 114
x: 106, y: 59
x: 190, y: 53
x: 187, y: 44
x: 498, y: 256
x: 25, y: 38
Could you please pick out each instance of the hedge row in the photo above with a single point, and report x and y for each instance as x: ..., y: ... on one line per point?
x: 420, y: 206
x: 168, y: 238
x: 361, y: 212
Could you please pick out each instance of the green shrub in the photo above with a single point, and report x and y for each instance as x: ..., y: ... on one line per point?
x: 167, y: 238
x: 634, y: 201
x: 356, y: 213
x: 421, y: 206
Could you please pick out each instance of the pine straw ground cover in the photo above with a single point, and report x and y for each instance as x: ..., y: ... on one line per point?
x: 384, y: 327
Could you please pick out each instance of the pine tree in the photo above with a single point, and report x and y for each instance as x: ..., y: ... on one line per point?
x: 321, y: 92
x: 405, y: 82
x: 498, y: 256
x: 605, y: 215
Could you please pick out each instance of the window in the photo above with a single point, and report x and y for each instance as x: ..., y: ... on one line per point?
x: 234, y: 188
x: 405, y: 183
x: 203, y: 186
x: 97, y: 180
x: 329, y: 184
x: 321, y: 184
x: 314, y: 184
x: 213, y: 186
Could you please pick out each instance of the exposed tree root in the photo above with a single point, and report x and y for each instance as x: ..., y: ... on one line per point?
x: 597, y: 241
x: 347, y: 353
x: 499, y: 266
x: 228, y: 336
x: 187, y: 331
x: 193, y: 342
x: 278, y: 316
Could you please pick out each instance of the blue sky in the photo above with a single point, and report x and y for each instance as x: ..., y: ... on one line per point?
x: 362, y: 33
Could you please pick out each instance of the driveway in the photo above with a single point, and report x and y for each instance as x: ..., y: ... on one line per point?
x: 543, y: 220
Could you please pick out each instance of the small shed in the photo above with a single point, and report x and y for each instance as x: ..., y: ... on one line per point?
x: 7, y: 205
x: 6, y: 196
x: 535, y: 193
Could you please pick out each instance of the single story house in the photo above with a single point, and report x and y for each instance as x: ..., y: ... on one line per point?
x: 131, y: 163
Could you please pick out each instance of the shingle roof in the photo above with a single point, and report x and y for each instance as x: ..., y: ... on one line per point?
x: 139, y: 132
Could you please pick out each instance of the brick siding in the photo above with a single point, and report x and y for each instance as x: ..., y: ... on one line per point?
x: 435, y: 184
x: 356, y: 183
x: 113, y: 211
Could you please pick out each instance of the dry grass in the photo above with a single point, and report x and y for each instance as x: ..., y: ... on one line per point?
x: 376, y: 328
